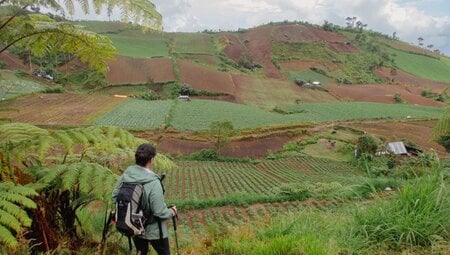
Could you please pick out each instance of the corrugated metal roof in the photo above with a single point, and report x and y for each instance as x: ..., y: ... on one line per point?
x: 398, y: 148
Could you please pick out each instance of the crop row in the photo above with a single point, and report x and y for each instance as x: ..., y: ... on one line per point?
x: 233, y: 215
x: 213, y: 180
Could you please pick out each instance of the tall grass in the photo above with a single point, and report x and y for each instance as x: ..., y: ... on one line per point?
x: 417, y: 216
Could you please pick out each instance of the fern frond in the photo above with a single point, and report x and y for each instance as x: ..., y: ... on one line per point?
x: 63, y: 138
x: 9, y: 221
x: 70, y: 177
x: 7, y: 238
x: 17, y: 212
x: 88, y: 177
x: 12, y: 215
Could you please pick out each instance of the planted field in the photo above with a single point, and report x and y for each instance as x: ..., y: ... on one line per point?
x: 422, y: 66
x: 359, y: 110
x: 12, y: 86
x: 57, y: 109
x: 142, y: 45
x: 194, y: 43
x: 213, y: 183
x: 136, y: 114
x: 198, y: 114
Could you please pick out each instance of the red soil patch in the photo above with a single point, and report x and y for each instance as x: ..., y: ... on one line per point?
x: 417, y: 83
x: 233, y: 46
x: 58, y: 109
x: 127, y: 70
x: 13, y: 62
x: 259, y: 45
x: 245, y: 148
x: 417, y: 132
x: 204, y: 78
x: 298, y: 33
x: 380, y: 93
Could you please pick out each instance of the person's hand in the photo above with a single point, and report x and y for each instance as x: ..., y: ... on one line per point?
x: 174, y: 210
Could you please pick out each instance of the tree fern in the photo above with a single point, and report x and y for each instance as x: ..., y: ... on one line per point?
x: 13, y: 217
x: 79, y: 177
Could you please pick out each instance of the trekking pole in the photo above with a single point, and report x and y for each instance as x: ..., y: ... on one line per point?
x: 174, y: 221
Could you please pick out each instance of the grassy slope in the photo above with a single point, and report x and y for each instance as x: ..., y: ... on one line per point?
x: 422, y: 66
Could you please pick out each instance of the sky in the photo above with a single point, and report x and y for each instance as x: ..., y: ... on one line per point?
x: 429, y: 19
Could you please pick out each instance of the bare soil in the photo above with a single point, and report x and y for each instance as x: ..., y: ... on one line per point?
x: 259, y: 45
x: 204, y: 78
x: 381, y: 93
x: 57, y: 109
x: 417, y: 132
x: 416, y: 83
x: 298, y: 33
x: 13, y: 62
x: 233, y: 46
x: 128, y: 70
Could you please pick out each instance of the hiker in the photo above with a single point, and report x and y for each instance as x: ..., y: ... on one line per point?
x: 152, y: 201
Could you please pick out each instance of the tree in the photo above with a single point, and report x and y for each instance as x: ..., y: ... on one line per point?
x: 430, y: 46
x: 420, y: 39
x: 221, y: 130
x: 394, y: 36
x: 348, y: 21
x: 42, y: 35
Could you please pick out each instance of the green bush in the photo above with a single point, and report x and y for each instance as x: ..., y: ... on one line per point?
x: 367, y: 144
x: 205, y: 155
x: 57, y: 89
x: 445, y: 141
x: 2, y: 65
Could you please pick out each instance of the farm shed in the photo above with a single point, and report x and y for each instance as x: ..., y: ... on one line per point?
x: 397, y: 148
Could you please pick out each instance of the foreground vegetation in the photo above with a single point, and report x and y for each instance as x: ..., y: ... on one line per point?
x: 413, y: 220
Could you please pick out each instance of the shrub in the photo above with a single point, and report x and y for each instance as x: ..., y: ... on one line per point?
x: 445, y: 141
x: 367, y: 144
x: 150, y: 95
x: 205, y: 155
x: 398, y: 98
x: 2, y: 65
x: 57, y: 89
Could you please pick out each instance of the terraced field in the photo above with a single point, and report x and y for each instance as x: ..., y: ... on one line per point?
x: 197, y: 181
x: 136, y: 114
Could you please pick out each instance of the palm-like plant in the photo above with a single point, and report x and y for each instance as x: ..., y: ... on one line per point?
x: 41, y: 35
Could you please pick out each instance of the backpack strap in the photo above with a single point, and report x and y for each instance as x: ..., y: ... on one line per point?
x: 160, y: 230
x: 130, y: 245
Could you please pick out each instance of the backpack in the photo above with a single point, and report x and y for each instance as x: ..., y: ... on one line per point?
x: 129, y: 216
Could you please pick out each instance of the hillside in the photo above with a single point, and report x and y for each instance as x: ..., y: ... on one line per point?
x: 239, y: 64
x: 259, y: 160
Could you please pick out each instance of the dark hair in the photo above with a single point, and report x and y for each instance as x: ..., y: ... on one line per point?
x: 144, y: 153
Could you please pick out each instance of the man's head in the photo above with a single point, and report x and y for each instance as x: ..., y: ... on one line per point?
x: 144, y: 154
